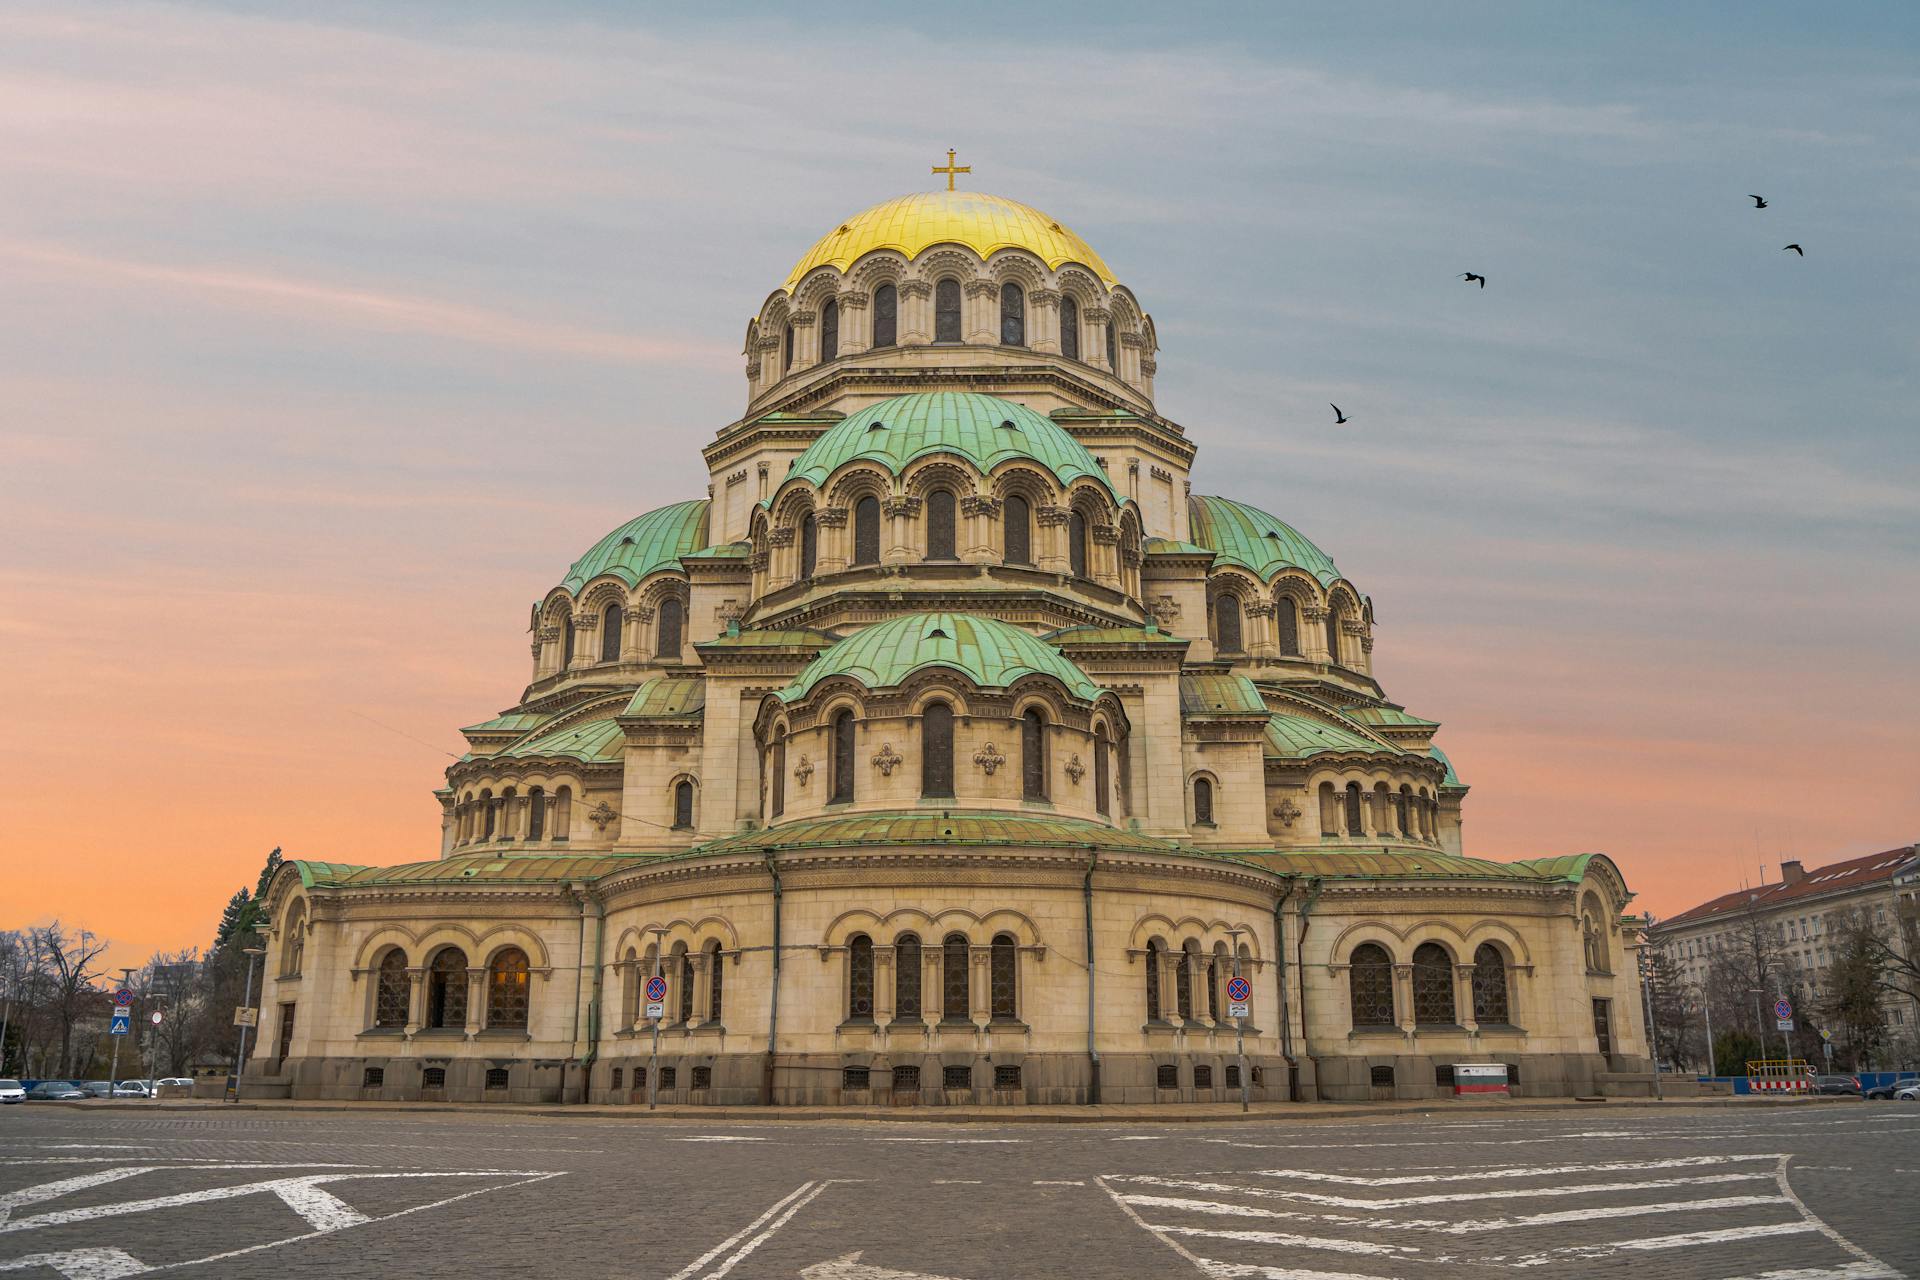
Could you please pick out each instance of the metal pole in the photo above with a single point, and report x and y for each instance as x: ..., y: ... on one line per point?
x: 1706, y: 1007
x: 1646, y: 995
x: 653, y: 1059
x: 246, y: 1002
x: 1240, y: 1034
x: 113, y: 1071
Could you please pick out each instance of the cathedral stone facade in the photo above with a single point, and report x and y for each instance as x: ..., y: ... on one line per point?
x: 950, y: 750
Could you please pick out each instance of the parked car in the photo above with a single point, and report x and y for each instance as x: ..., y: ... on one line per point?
x: 1885, y: 1092
x: 55, y: 1091
x: 12, y: 1091
x: 98, y: 1088
x: 1907, y: 1092
x: 182, y: 1082
x: 132, y: 1089
x: 1836, y: 1084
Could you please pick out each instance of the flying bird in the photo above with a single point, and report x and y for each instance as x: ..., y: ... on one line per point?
x: 1759, y: 202
x: 1470, y: 277
x: 1796, y: 248
x: 1338, y: 417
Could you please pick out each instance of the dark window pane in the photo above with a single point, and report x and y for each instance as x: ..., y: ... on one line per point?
x: 829, y: 331
x: 809, y: 544
x: 1354, y: 826
x: 496, y: 1077
x: 537, y: 814
x: 1013, y: 315
x: 1203, y: 1075
x: 1077, y: 544
x: 610, y: 628
x: 779, y: 803
x: 1213, y: 989
x: 955, y: 989
x: 946, y: 311
x: 1226, y: 623
x: 886, y: 316
x: 1166, y: 1076
x: 1001, y: 981
x: 786, y: 351
x: 433, y: 1078
x: 683, y: 963
x: 1183, y: 988
x: 1202, y: 801
x: 1289, y: 618
x: 1490, y: 987
x: 1381, y: 1076
x: 390, y: 1004
x: 566, y: 642
x: 716, y: 981
x: 1102, y: 784
x: 1433, y: 985
x: 956, y: 1077
x: 1113, y: 349
x: 507, y: 989
x: 1069, y: 328
x: 866, y: 531
x: 906, y: 1079
x: 940, y: 525
x: 1033, y: 756
x: 1019, y: 530
x: 842, y: 757
x: 447, y: 989
x: 860, y: 979
x: 1153, y: 982
x: 906, y: 977
x: 683, y: 804
x: 1603, y: 1026
x: 1006, y: 1075
x: 373, y: 1077
x: 672, y: 616
x: 1333, y: 638
x: 936, y: 750
x: 856, y: 1079
x: 1400, y: 811
x: 1370, y: 975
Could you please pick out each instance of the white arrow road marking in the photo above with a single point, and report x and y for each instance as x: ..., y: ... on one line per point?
x: 54, y: 1190
x: 81, y: 1264
x: 1221, y: 1270
x: 849, y: 1267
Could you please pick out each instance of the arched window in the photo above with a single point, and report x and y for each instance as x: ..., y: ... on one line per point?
x: 390, y: 996
x: 1013, y: 315
x: 563, y: 813
x: 1113, y: 349
x: 860, y: 979
x: 1069, y: 327
x: 842, y: 758
x: 829, y: 332
x: 610, y: 627
x: 946, y: 311
x: 715, y: 981
x: 866, y: 531
x: 1287, y: 615
x: 786, y: 350
x: 1218, y: 958
x: 566, y: 642
x: 1019, y: 530
x: 672, y: 616
x: 778, y: 785
x: 956, y: 992
x: 1033, y: 755
x: 1402, y: 802
x: 682, y: 805
x: 936, y: 750
x: 1183, y: 984
x: 1333, y: 639
x: 536, y: 813
x: 886, y: 316
x: 507, y: 989
x: 1153, y: 980
x: 489, y: 815
x: 1076, y: 544
x: 683, y: 979
x: 1370, y: 977
x: 1202, y: 802
x: 447, y: 990
x: 1102, y: 769
x: 809, y: 544
x: 293, y: 951
x: 1226, y: 623
x: 1433, y: 986
x: 940, y: 525
x: 906, y: 977
x: 1355, y: 827
x: 1490, y: 1007
x: 1002, y: 976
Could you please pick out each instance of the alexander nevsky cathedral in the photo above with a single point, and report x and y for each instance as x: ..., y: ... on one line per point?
x: 950, y: 750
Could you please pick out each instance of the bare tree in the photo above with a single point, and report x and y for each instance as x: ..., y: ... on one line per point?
x: 70, y: 973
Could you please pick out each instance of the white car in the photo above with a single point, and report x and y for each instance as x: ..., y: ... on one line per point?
x: 1907, y: 1093
x: 132, y: 1089
x: 12, y: 1091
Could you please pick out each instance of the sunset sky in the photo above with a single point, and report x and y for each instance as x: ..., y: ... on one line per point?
x: 314, y: 337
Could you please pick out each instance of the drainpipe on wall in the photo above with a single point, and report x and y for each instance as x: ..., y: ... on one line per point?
x: 1300, y: 973
x: 1280, y: 986
x: 773, y: 992
x: 593, y: 1004
x: 1093, y: 1052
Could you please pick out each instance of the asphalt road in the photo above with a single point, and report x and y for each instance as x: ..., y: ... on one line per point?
x: 1788, y: 1192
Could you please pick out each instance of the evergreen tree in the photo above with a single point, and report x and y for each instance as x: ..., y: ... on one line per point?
x: 266, y: 875
x: 236, y: 917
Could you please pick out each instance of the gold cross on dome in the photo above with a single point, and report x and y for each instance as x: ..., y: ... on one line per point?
x: 950, y: 168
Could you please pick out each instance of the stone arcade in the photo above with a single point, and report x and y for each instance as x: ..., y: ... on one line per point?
x: 953, y: 719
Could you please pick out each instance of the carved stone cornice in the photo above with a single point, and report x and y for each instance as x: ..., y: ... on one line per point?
x: 782, y: 536
x: 1148, y: 366
x: 1132, y: 340
x: 976, y: 505
x: 901, y: 506
x: 831, y: 517
x: 1096, y: 315
x: 1049, y: 514
x: 800, y: 319
x: 981, y: 288
x: 851, y: 301
x: 916, y: 289
x: 1106, y: 533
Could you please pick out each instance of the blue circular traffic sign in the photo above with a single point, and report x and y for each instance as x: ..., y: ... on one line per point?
x: 1238, y: 989
x: 123, y: 997
x: 1783, y: 1008
x: 656, y: 988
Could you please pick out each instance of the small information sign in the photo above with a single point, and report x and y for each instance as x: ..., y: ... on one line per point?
x: 656, y: 1010
x: 1237, y: 1008
x: 122, y: 1023
x: 246, y: 1017
x: 1784, y: 1024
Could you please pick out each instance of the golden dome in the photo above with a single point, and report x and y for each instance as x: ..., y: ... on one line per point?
x: 983, y: 223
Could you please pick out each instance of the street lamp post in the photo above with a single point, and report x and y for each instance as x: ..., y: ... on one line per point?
x: 1646, y: 995
x: 1240, y: 1030
x: 653, y: 1058
x: 113, y: 1071
x: 246, y: 1002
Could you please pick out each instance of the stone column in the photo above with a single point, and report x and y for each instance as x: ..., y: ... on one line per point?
x: 933, y: 995
x: 783, y: 563
x: 901, y: 514
x: 1260, y: 639
x: 978, y: 518
x: 1043, y: 320
x: 1463, y: 996
x: 835, y: 549
x: 585, y: 632
x: 1104, y: 543
x: 476, y: 999
x: 806, y: 350
x: 856, y: 331
x: 1403, y: 996
x: 1094, y: 321
x: 979, y: 984
x: 980, y: 313
x: 1050, y: 538
x: 702, y: 988
x: 883, y: 962
x: 1313, y: 639
x: 416, y: 999
x: 1169, y: 988
x: 914, y: 321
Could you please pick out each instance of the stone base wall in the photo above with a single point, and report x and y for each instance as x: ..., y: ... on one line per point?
x: 1414, y: 1077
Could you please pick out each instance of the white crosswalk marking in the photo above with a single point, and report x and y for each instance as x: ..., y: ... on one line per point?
x: 81, y: 1264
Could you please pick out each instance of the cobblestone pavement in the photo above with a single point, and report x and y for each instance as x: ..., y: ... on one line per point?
x: 1783, y: 1191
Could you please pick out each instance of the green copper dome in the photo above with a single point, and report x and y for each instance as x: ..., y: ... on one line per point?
x: 984, y: 430
x: 991, y: 653
x: 644, y: 544
x: 1254, y: 540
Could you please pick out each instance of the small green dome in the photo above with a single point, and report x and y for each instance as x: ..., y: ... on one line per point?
x: 1246, y: 536
x: 991, y: 653
x: 984, y: 430
x: 644, y: 544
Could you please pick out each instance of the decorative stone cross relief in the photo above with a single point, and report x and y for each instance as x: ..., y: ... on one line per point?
x: 1075, y: 770
x: 885, y: 759
x: 803, y: 770
x: 602, y: 814
x: 1287, y: 812
x: 989, y: 759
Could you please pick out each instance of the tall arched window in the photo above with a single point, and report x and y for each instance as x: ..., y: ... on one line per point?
x: 936, y: 750
x: 1102, y: 769
x: 293, y: 951
x: 489, y: 815
x: 860, y: 979
x: 946, y: 311
x: 956, y: 992
x: 1333, y: 639
x: 1033, y: 755
x: 1153, y: 980
x: 906, y: 977
x: 1287, y: 615
x: 1226, y: 623
x: 809, y: 544
x: 671, y: 617
x: 1370, y: 978
x: 1013, y: 315
x: 842, y: 758
x: 1076, y: 544
x: 507, y: 989
x: 1018, y: 516
x: 536, y: 813
x: 610, y: 628
x: 1002, y: 978
x: 778, y: 785
x: 1183, y: 984
x: 866, y: 531
x: 390, y: 997
x: 716, y: 981
x: 682, y: 963
x: 683, y: 805
x: 1433, y: 986
x: 566, y: 642
x: 786, y: 350
x: 940, y: 525
x: 1113, y: 349
x: 829, y: 332
x: 886, y: 316
x: 1490, y: 1008
x: 447, y: 990
x: 1355, y: 826
x: 563, y: 813
x: 1402, y: 802
x: 1214, y: 963
x: 1069, y: 327
x: 1202, y: 802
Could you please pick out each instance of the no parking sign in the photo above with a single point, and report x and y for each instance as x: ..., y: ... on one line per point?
x: 1239, y: 992
x: 656, y: 997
